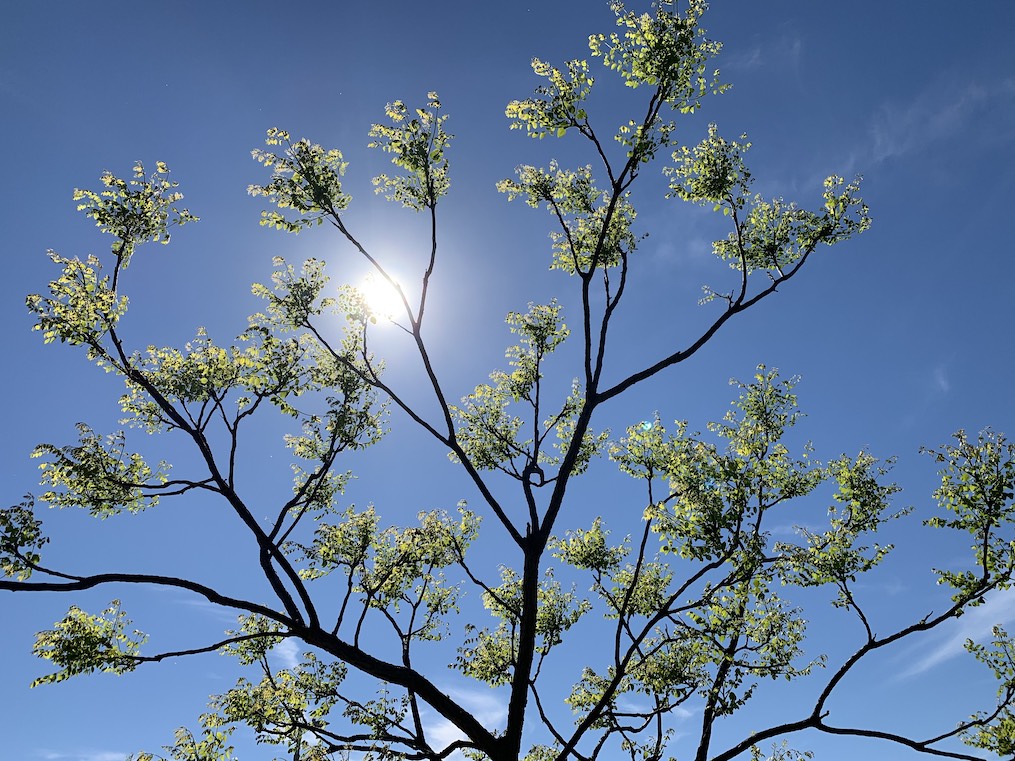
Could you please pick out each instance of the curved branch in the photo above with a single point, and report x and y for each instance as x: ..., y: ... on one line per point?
x: 449, y: 440
x: 207, y: 648
x: 269, y: 551
x: 404, y: 677
x: 677, y: 357
x: 79, y: 583
x: 922, y: 747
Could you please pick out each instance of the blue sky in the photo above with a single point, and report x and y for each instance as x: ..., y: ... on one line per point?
x: 901, y: 336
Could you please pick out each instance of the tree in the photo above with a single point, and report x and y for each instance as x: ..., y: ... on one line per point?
x: 695, y: 606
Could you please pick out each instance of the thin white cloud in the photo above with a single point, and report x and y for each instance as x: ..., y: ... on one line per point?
x: 287, y: 653
x: 680, y: 712
x: 939, y: 113
x: 211, y: 609
x: 489, y: 708
x: 782, y: 52
x: 83, y: 755
x: 930, y: 386
x: 749, y: 58
x: 442, y: 733
x: 941, y: 382
x: 693, y: 249
x: 976, y: 625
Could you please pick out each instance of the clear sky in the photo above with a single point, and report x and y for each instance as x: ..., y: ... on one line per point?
x: 901, y: 336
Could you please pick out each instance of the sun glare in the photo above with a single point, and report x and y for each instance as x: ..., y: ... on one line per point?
x: 381, y: 297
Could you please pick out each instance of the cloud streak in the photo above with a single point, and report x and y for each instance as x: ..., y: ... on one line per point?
x: 489, y: 708
x: 83, y: 755
x: 782, y: 52
x: 940, y: 113
x: 941, y: 382
x: 287, y: 653
x: 976, y: 625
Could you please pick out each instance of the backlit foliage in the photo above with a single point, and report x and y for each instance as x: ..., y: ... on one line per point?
x: 681, y: 600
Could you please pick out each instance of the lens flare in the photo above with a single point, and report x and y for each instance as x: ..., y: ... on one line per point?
x: 381, y: 297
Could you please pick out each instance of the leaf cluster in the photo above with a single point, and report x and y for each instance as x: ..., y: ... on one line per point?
x: 491, y: 655
x: 81, y: 643
x: 98, y: 475
x: 82, y: 307
x: 20, y: 539
x: 976, y: 497
x: 306, y: 179
x: 418, y: 146
x: 695, y: 605
x: 135, y: 211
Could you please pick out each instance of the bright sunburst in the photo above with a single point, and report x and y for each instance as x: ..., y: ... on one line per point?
x: 381, y: 298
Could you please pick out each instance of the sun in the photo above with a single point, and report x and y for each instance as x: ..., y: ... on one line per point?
x: 381, y: 297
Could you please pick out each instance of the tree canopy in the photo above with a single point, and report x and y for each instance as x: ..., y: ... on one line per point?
x: 646, y: 635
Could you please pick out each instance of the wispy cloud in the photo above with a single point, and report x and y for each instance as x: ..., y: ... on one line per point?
x: 680, y: 712
x: 211, y: 609
x: 782, y: 51
x: 692, y: 249
x: 287, y: 653
x: 976, y: 625
x: 489, y: 708
x: 940, y: 379
x: 82, y: 755
x: 929, y: 388
x: 939, y: 113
